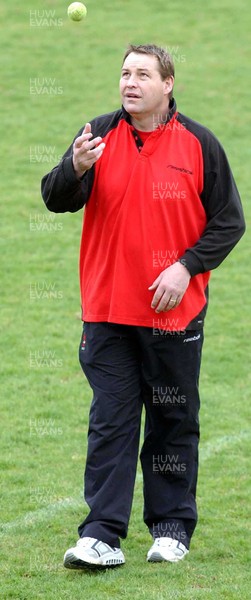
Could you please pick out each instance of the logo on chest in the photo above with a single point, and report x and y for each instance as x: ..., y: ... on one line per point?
x: 181, y: 169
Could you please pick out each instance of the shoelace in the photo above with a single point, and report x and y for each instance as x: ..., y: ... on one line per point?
x: 167, y: 542
x: 86, y: 542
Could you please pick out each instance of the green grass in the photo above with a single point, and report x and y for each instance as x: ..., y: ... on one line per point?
x: 45, y: 408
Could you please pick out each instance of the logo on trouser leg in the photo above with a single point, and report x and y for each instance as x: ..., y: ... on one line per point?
x: 192, y: 339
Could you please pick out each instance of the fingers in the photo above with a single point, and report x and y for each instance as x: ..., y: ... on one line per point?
x: 87, y: 147
x: 87, y: 128
x: 155, y: 283
x: 170, y: 287
x: 162, y: 295
x: 85, y: 135
x: 98, y: 151
x: 85, y: 142
x: 165, y: 297
x: 173, y: 302
x: 163, y: 302
x: 86, y: 150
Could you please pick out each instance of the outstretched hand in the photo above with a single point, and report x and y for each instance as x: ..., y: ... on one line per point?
x: 86, y: 151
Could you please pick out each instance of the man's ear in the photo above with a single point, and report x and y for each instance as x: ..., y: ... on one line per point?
x: 168, y: 84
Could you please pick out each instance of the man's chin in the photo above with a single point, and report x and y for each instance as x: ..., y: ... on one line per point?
x: 132, y: 111
x: 131, y: 108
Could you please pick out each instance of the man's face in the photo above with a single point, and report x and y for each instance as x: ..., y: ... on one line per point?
x: 142, y: 90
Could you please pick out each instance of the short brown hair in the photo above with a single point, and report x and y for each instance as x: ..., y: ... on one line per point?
x: 166, y: 64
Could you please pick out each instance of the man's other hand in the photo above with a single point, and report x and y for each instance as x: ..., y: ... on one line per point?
x: 170, y: 287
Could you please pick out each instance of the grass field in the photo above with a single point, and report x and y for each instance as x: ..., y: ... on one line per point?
x: 56, y: 75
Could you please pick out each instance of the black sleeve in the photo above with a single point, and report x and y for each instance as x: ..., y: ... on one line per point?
x: 61, y: 189
x: 225, y: 219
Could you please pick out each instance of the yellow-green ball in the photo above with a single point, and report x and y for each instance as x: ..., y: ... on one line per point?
x: 77, y: 11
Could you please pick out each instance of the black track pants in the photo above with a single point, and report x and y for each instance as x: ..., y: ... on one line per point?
x: 128, y: 366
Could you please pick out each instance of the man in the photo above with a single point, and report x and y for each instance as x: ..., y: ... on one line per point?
x: 161, y: 211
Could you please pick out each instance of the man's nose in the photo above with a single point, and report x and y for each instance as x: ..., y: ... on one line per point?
x: 132, y: 81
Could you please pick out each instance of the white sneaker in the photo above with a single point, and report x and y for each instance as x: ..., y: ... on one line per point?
x: 166, y: 548
x: 92, y: 553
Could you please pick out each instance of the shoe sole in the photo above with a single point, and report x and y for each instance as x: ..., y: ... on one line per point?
x: 71, y: 562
